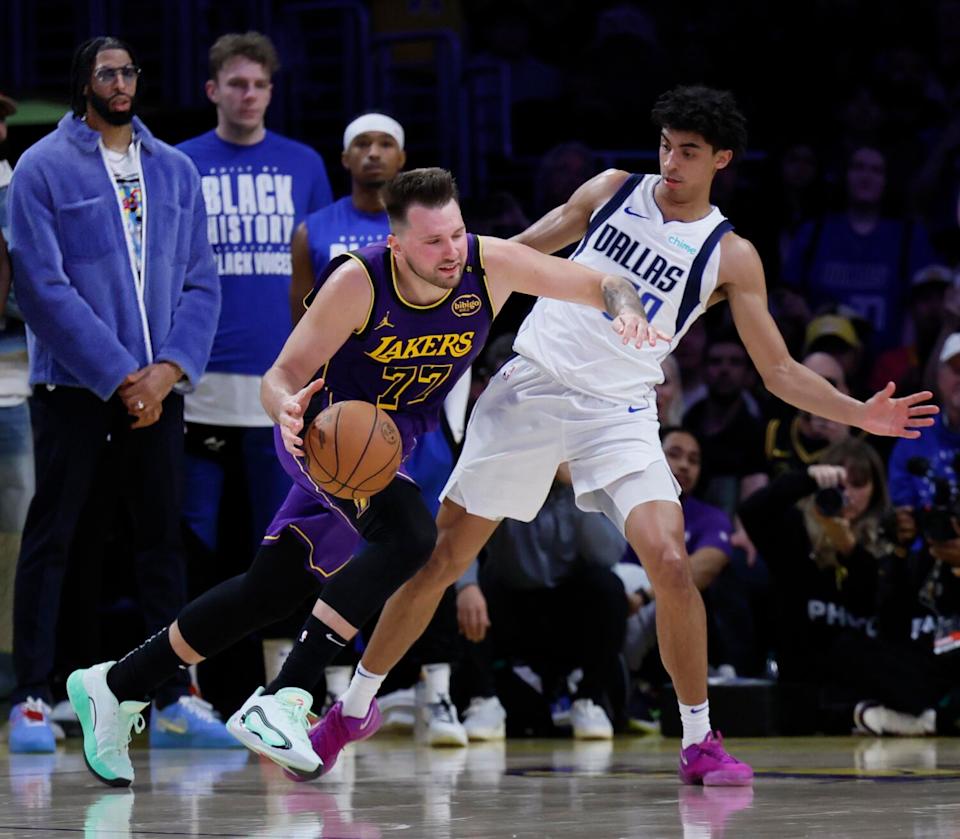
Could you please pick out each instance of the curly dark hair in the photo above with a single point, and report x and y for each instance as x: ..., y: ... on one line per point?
x: 711, y: 113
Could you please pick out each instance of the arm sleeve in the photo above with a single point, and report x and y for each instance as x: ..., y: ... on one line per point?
x: 190, y: 339
x: 59, y: 317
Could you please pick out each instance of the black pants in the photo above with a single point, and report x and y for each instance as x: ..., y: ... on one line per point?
x: 72, y: 430
x: 896, y: 675
x: 580, y: 623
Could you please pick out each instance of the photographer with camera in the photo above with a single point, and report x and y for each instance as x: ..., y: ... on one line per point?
x: 920, y: 592
x: 823, y: 534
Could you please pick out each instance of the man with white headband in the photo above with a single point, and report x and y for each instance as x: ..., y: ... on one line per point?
x: 372, y: 153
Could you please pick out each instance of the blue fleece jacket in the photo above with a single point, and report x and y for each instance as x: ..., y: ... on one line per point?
x: 72, y: 271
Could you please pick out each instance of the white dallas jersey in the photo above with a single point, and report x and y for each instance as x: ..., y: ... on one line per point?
x: 672, y: 264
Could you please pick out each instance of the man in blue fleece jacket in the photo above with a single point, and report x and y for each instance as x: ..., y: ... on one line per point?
x: 117, y: 283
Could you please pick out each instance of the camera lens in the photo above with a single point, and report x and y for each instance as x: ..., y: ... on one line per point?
x: 829, y: 501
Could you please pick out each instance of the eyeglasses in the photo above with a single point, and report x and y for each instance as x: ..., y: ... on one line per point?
x: 105, y: 75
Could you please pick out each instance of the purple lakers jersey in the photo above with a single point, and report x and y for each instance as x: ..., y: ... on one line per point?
x: 406, y: 357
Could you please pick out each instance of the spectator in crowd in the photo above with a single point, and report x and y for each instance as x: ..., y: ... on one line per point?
x: 16, y: 444
x: 707, y: 532
x: 670, y: 394
x: 835, y: 336
x: 689, y: 354
x: 801, y: 192
x: 257, y: 187
x: 905, y: 364
x: 792, y: 314
x: 920, y: 595
x: 730, y: 432
x: 561, y: 171
x: 796, y: 439
x: 119, y: 291
x: 861, y: 257
x: 535, y: 575
x: 936, y: 192
x: 822, y: 532
x: 372, y: 154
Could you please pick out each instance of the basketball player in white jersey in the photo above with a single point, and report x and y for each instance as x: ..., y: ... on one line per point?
x: 574, y: 394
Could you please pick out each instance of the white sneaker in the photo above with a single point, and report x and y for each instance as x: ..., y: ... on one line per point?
x: 872, y: 718
x: 443, y: 727
x: 399, y: 710
x: 590, y: 721
x: 485, y: 719
x: 63, y: 721
x: 276, y: 727
x: 106, y: 724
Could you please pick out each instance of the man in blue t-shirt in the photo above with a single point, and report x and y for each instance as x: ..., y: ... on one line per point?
x: 372, y: 153
x: 257, y: 186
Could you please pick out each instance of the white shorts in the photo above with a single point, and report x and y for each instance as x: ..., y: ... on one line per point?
x: 526, y: 424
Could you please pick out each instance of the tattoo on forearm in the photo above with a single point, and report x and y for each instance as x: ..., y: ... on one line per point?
x: 620, y: 296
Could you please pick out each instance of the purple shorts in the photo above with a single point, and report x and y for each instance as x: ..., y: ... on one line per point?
x: 325, y: 524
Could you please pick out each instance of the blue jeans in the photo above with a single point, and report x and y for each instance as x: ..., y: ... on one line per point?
x: 16, y: 490
x: 16, y: 467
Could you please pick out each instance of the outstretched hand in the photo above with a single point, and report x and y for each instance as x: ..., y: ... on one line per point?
x: 290, y: 419
x: 634, y: 327
x: 889, y: 417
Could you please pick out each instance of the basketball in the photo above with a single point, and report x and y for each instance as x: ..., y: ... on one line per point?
x: 353, y: 450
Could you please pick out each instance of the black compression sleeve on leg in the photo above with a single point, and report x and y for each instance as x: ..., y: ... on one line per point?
x: 400, y: 534
x: 142, y: 670
x: 317, y: 645
x: 275, y: 584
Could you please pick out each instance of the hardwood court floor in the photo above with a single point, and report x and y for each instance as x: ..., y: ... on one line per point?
x: 823, y: 787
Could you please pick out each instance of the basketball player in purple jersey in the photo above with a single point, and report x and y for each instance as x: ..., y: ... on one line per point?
x: 394, y: 325
x: 573, y: 396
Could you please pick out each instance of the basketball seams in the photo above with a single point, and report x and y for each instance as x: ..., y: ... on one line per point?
x: 392, y: 464
x: 359, y: 460
x: 348, y: 486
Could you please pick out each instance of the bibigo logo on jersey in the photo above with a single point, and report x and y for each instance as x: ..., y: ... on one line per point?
x: 466, y: 305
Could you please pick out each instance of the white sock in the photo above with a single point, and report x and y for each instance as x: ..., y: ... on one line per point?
x: 338, y: 679
x: 436, y: 680
x: 696, y: 723
x: 363, y: 687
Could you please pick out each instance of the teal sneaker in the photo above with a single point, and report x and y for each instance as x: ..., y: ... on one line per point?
x: 189, y: 723
x: 30, y: 730
x: 106, y: 724
x: 276, y: 726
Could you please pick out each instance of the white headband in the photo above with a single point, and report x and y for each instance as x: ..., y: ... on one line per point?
x: 373, y: 122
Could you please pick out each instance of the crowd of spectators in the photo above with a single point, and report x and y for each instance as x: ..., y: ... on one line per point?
x: 828, y: 560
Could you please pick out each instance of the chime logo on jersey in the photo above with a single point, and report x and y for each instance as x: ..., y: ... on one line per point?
x: 466, y: 305
x: 638, y: 259
x: 392, y: 348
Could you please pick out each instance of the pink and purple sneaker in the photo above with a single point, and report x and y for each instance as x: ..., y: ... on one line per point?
x: 709, y: 764
x: 335, y: 731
